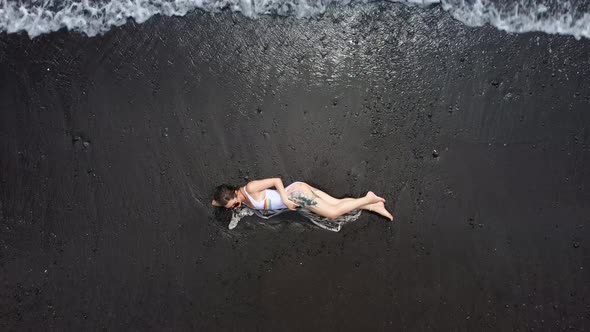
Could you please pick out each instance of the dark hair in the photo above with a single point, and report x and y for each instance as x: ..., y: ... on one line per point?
x: 224, y: 193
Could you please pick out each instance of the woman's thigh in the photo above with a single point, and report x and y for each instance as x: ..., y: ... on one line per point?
x: 312, y: 191
x: 306, y: 196
x: 302, y: 194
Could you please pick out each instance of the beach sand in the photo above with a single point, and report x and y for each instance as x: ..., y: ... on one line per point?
x: 111, y: 146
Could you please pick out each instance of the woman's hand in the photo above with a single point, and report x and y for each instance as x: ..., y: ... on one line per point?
x: 290, y: 205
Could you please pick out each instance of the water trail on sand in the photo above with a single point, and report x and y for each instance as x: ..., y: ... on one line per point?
x: 334, y: 225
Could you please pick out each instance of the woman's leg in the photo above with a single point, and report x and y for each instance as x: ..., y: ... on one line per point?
x: 378, y: 207
x: 306, y: 196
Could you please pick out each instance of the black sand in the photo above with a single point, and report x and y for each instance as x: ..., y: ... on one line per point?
x: 110, y: 147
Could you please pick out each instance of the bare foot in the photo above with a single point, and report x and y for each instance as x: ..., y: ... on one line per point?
x: 379, y: 208
x: 374, y: 198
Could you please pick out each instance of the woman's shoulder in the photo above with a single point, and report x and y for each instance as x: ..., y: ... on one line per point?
x: 251, y: 187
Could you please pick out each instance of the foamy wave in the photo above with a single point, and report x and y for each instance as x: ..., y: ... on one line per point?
x: 94, y: 17
x: 557, y: 17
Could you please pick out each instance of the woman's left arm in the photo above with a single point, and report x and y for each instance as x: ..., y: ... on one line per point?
x: 281, y: 189
x: 260, y: 185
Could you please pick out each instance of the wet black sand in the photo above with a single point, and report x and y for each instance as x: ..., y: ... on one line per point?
x: 110, y: 146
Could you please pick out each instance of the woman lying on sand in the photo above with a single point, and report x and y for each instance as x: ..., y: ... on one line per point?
x: 257, y: 195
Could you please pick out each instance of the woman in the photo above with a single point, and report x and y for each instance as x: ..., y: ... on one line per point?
x: 257, y: 195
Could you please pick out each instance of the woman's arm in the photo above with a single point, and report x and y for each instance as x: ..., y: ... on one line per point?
x: 257, y: 186
x: 260, y: 185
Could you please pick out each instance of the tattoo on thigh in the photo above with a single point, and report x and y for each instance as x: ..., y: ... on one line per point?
x: 302, y: 200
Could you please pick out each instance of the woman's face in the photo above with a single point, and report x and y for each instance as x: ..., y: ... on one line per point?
x: 233, y: 204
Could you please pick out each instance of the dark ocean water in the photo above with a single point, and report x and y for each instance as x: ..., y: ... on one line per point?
x: 95, y: 17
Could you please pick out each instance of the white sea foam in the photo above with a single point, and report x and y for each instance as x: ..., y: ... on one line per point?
x: 93, y: 17
x: 523, y: 16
